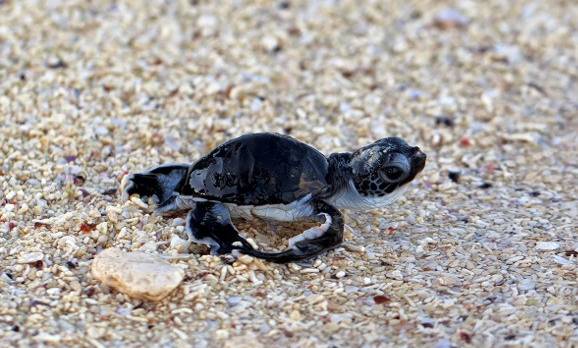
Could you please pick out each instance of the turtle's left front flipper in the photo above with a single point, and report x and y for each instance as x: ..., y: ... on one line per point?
x: 163, y: 183
x: 311, y: 242
x: 210, y: 223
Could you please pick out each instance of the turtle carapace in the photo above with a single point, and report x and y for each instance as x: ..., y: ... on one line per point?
x: 276, y: 177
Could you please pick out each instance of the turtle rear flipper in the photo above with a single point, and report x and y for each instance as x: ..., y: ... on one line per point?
x: 163, y: 183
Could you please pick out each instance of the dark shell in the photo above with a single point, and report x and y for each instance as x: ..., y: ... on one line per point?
x: 259, y: 169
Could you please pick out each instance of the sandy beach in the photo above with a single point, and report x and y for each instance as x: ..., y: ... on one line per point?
x: 481, y: 251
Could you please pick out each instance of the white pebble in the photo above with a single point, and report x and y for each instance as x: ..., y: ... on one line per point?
x: 179, y: 244
x: 395, y: 275
x: 137, y: 201
x: 310, y: 270
x: 32, y: 257
x: 526, y: 284
x: 547, y: 246
x: 562, y: 261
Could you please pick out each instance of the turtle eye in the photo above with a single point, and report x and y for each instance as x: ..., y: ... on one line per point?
x: 393, y: 173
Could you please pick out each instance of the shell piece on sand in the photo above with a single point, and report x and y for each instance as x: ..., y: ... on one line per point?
x: 31, y: 257
x: 547, y: 246
x: 137, y: 274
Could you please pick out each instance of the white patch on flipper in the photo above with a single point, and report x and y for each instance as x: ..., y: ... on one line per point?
x: 349, y: 198
x: 312, y: 233
x: 207, y: 241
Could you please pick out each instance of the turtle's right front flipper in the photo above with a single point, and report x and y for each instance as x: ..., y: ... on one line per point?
x: 163, y: 183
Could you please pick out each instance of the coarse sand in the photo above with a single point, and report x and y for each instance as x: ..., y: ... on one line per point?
x: 481, y: 251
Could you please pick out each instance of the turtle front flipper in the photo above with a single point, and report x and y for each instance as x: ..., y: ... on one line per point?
x: 162, y: 183
x: 210, y: 223
x: 312, y: 241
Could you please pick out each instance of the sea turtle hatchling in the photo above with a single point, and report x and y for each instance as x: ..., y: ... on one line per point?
x: 276, y: 177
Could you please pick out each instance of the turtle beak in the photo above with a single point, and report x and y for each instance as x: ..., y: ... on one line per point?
x: 418, y: 159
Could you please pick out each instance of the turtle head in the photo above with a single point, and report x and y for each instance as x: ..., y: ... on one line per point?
x: 379, y: 173
x: 386, y: 165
